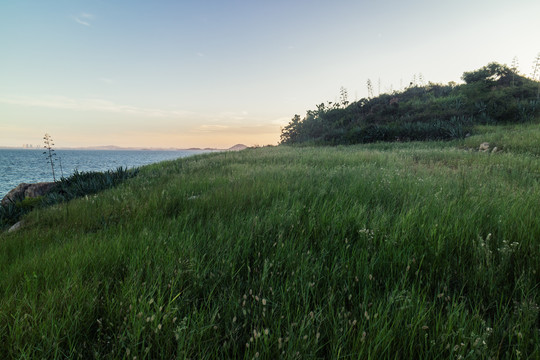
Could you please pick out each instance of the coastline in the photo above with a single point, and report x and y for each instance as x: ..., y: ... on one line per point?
x: 29, y: 166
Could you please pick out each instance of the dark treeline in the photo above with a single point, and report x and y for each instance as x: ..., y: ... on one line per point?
x: 494, y: 94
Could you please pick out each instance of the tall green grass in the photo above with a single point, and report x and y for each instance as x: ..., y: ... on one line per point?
x: 510, y: 138
x: 415, y: 250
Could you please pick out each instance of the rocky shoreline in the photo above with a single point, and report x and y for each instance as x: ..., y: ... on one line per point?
x: 24, y: 190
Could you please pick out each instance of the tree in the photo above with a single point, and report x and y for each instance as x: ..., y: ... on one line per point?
x: 488, y: 74
x: 291, y: 132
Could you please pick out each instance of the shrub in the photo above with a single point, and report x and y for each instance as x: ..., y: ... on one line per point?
x: 77, y: 185
x: 494, y: 94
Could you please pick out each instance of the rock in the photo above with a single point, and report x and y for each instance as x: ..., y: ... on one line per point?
x: 483, y: 147
x: 38, y: 189
x: 25, y: 190
x: 16, y: 194
x: 15, y: 227
x: 494, y: 149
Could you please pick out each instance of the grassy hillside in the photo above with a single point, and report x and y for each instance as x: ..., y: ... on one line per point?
x: 493, y: 94
x: 386, y: 250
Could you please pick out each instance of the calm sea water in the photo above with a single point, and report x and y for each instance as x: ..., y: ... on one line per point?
x: 30, y: 166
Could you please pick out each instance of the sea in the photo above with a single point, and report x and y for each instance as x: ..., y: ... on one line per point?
x: 31, y: 165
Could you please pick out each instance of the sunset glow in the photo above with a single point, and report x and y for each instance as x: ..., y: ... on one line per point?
x: 213, y: 74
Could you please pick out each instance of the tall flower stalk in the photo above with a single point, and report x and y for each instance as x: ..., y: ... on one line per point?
x: 49, y: 152
x: 536, y: 74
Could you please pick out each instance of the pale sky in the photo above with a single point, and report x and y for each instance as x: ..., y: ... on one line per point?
x: 213, y: 73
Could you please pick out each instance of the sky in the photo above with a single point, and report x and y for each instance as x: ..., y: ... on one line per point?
x: 214, y: 73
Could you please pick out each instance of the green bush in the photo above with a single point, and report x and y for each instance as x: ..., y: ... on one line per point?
x: 86, y: 183
x: 77, y: 185
x: 493, y: 94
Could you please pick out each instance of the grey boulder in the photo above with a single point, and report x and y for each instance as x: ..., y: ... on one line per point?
x: 25, y: 190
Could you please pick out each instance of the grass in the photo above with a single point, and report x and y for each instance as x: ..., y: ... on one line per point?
x: 511, y: 138
x: 403, y: 250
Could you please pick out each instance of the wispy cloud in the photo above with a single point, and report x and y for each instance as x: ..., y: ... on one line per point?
x: 211, y: 128
x: 62, y: 102
x: 106, y: 80
x: 238, y: 122
x: 236, y: 129
x: 84, y: 19
x: 233, y: 115
x: 281, y: 121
